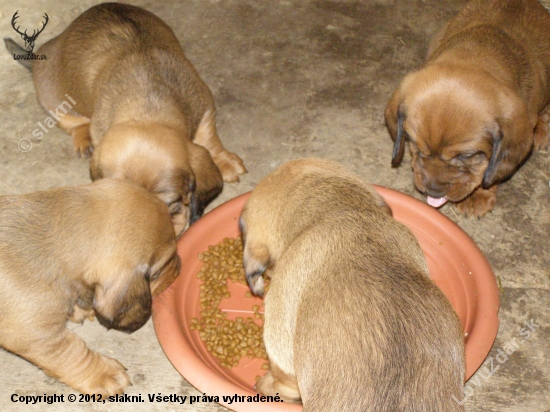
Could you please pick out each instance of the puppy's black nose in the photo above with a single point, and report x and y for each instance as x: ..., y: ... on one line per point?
x: 436, y: 189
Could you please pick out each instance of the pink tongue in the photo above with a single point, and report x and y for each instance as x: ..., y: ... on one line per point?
x: 432, y: 201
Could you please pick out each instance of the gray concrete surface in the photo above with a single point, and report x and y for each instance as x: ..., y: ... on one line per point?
x: 291, y: 78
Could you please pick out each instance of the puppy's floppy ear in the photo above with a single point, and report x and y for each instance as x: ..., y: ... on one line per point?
x: 390, y: 114
x: 399, y: 145
x: 382, y: 204
x: 174, y: 187
x: 395, y: 117
x: 208, y: 182
x: 512, y: 141
x: 122, y: 301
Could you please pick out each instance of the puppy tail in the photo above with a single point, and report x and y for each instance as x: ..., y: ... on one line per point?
x: 15, y: 49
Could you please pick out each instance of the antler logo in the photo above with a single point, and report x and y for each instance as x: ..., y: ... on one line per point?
x: 29, y: 40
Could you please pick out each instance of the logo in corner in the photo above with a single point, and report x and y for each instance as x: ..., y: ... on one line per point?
x: 29, y: 40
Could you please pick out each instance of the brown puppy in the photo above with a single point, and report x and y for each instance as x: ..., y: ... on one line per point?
x: 479, y: 106
x: 135, y: 100
x: 70, y: 253
x: 352, y: 320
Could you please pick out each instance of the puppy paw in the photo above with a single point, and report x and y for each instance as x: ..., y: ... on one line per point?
x: 264, y: 385
x: 82, y: 141
x: 64, y: 355
x: 284, y: 386
x: 230, y: 165
x: 104, y: 375
x: 479, y: 203
x: 79, y: 314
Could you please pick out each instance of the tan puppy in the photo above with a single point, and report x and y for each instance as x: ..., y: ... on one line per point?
x: 352, y: 320
x: 70, y: 253
x: 140, y: 106
x: 479, y: 106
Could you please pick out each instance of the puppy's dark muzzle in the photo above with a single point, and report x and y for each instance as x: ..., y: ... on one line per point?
x: 126, y: 322
x: 435, y: 189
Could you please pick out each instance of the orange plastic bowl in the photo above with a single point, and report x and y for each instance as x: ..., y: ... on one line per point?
x: 456, y: 265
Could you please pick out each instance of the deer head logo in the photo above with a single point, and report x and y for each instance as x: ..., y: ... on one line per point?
x: 29, y: 40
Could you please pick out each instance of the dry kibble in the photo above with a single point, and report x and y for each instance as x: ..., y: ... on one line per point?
x: 228, y: 340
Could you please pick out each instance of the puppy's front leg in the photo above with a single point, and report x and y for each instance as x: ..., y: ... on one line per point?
x: 256, y: 260
x: 479, y: 203
x: 230, y: 165
x: 67, y: 358
x: 79, y: 314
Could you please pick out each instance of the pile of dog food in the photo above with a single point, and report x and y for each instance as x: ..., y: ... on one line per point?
x: 228, y: 340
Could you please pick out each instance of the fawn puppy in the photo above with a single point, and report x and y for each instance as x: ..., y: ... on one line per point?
x: 353, y: 321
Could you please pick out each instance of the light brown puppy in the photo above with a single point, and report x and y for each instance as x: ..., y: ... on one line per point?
x: 139, y: 105
x: 102, y: 249
x: 352, y: 320
x: 479, y: 106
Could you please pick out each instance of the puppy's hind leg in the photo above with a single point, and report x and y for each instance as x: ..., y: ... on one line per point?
x: 66, y: 357
x: 79, y: 128
x: 230, y: 165
x: 436, y: 40
x: 541, y: 138
x: 276, y: 382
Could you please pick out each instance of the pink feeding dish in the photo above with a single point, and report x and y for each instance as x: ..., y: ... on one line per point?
x: 456, y: 265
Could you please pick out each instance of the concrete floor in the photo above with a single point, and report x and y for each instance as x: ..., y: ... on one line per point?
x: 292, y: 78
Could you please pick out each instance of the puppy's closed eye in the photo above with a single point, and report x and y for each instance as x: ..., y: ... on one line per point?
x: 466, y: 158
x: 175, y: 206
